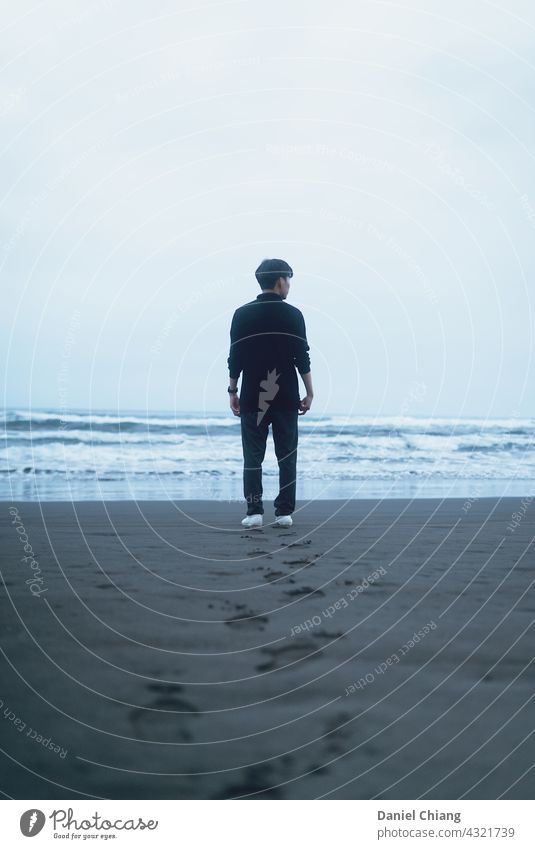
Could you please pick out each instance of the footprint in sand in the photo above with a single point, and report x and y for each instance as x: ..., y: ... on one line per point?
x: 327, y: 635
x: 274, y: 576
x: 167, y: 718
x: 248, y: 620
x: 317, y: 769
x: 304, y: 591
x: 302, y: 561
x: 166, y: 687
x: 258, y: 781
x: 283, y: 655
x: 336, y: 738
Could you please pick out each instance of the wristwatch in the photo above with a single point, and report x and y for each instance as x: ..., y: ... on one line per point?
x: 232, y: 391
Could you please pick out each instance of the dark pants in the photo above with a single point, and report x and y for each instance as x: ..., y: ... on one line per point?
x: 254, y: 439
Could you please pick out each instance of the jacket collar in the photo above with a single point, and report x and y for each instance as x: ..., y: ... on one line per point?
x: 268, y: 296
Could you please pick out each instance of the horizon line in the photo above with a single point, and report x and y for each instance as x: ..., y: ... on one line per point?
x: 137, y: 410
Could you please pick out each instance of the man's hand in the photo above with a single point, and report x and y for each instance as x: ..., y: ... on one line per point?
x: 235, y: 404
x: 305, y: 405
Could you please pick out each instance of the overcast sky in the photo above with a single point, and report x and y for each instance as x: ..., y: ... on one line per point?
x: 153, y: 154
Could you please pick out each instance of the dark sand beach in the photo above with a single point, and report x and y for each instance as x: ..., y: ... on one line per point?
x: 379, y: 649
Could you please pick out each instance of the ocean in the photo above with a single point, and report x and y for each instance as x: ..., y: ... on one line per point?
x: 56, y: 455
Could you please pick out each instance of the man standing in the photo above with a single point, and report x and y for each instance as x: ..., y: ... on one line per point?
x: 267, y: 342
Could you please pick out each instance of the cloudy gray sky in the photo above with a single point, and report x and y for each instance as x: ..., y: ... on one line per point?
x: 152, y: 155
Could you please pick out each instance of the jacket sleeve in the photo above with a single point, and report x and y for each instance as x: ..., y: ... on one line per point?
x: 301, y: 358
x: 234, y: 359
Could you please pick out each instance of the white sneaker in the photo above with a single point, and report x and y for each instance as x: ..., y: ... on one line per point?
x: 283, y: 522
x: 254, y: 521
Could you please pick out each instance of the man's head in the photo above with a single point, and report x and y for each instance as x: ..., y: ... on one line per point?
x: 274, y: 275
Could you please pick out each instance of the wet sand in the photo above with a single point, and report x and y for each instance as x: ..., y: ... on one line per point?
x: 376, y: 650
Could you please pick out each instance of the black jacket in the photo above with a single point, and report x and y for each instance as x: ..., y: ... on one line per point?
x: 267, y: 342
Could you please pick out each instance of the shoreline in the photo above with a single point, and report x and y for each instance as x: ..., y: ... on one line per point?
x: 231, y: 492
